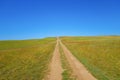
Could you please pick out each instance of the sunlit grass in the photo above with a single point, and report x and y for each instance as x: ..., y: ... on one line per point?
x: 101, y: 55
x: 13, y: 44
x: 26, y: 60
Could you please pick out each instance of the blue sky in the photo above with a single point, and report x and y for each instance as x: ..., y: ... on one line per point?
x: 26, y: 19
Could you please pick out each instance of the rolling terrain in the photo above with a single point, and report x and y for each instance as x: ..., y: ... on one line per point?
x: 64, y: 58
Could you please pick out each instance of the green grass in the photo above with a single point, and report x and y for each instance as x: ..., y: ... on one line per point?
x: 25, y: 59
x: 67, y: 73
x: 101, y: 55
x: 13, y: 44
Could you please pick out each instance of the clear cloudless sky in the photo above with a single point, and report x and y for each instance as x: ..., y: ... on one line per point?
x: 27, y: 19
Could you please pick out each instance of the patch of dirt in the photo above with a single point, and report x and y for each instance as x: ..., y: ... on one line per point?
x: 55, y: 65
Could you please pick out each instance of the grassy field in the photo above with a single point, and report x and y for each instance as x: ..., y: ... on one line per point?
x: 25, y: 59
x: 101, y: 55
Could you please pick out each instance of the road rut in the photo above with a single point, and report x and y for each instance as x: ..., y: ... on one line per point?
x: 55, y: 65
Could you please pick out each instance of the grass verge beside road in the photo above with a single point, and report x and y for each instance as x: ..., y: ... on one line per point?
x: 100, y: 55
x: 26, y: 60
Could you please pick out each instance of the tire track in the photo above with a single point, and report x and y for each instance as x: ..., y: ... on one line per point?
x: 55, y: 65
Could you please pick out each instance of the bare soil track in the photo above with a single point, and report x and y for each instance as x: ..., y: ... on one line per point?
x: 78, y: 69
x: 55, y: 65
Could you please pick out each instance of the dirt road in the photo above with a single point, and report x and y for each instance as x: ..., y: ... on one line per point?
x: 55, y: 65
x: 78, y: 69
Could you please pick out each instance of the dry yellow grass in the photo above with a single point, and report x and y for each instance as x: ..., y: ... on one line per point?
x: 101, y: 55
x: 27, y: 60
